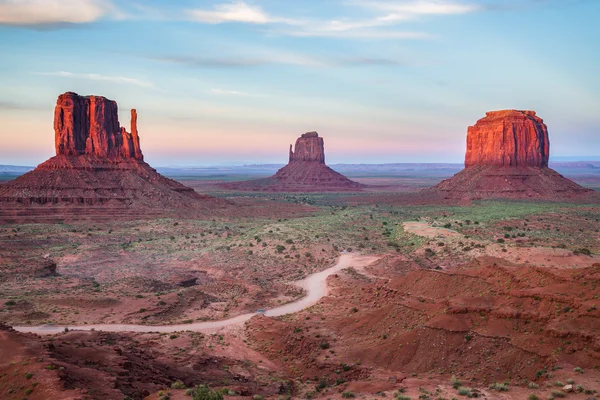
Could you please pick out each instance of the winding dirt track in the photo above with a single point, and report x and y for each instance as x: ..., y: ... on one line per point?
x: 315, y: 286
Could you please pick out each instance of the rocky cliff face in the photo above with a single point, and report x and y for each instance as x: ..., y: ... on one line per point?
x: 89, y: 125
x: 98, y: 173
x: 507, y: 157
x: 509, y: 138
x: 309, y: 148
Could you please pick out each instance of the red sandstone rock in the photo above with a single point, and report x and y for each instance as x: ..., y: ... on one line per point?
x: 507, y: 157
x: 90, y: 125
x: 305, y: 172
x: 309, y: 148
x: 509, y: 138
x: 98, y: 170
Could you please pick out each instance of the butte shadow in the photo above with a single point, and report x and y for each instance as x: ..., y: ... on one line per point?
x: 98, y: 173
x: 507, y: 158
x: 306, y: 171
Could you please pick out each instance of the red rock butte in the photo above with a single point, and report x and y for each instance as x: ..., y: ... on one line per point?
x: 89, y: 125
x: 507, y: 157
x: 509, y: 138
x: 98, y: 172
x: 309, y: 148
x: 306, y: 171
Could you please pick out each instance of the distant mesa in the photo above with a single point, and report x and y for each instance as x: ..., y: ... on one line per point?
x: 309, y: 148
x: 98, y: 167
x: 507, y: 157
x: 306, y: 171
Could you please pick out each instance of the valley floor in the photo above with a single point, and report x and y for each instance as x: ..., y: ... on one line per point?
x: 494, y: 300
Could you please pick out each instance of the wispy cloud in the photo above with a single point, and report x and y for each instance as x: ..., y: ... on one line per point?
x: 387, y: 15
x: 360, y: 34
x: 6, y: 105
x: 240, y: 61
x: 226, y: 92
x: 98, y: 77
x: 284, y: 59
x: 406, y: 10
x: 32, y: 13
x: 213, y: 62
x: 231, y: 12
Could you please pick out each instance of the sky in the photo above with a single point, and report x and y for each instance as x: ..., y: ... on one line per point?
x: 232, y: 82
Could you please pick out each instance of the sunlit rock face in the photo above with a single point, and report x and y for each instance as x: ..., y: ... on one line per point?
x: 89, y: 125
x: 508, y: 138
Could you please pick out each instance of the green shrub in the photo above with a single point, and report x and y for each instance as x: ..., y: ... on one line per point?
x: 586, y: 252
x: 500, y: 387
x: 556, y: 393
x: 348, y: 395
x: 178, y: 385
x: 456, y: 383
x: 203, y: 392
x: 533, y: 397
x: 463, y: 391
x: 10, y: 303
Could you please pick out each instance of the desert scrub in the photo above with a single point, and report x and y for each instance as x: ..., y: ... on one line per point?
x: 533, y: 397
x: 178, y: 385
x: 500, y: 387
x: 203, y: 392
x: 324, y: 345
x: 348, y: 395
x: 463, y: 391
x: 456, y: 383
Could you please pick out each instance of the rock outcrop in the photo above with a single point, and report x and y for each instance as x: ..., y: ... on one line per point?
x: 305, y: 172
x: 98, y: 171
x: 509, y: 138
x: 507, y: 157
x: 309, y: 148
x: 89, y: 125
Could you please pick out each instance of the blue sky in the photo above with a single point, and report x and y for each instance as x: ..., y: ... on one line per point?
x: 234, y: 82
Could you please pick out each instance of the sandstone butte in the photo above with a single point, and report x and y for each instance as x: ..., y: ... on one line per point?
x: 98, y: 168
x: 508, y: 138
x: 90, y: 126
x: 306, y: 171
x: 507, y: 157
